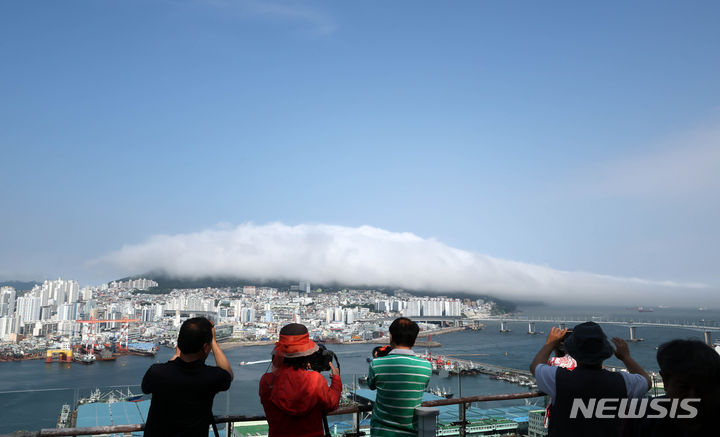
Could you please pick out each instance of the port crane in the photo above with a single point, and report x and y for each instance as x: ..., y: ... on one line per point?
x: 125, y: 329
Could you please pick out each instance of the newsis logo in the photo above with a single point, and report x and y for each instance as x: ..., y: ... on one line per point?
x: 657, y: 408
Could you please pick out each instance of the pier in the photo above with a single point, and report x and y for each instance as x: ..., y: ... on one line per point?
x: 453, y: 365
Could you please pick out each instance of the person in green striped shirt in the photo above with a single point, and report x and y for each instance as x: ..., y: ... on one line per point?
x: 400, y: 379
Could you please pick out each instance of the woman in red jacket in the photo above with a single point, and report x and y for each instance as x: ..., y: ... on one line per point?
x: 293, y: 396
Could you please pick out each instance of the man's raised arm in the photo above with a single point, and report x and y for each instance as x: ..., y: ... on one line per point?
x: 220, y: 358
x: 622, y: 352
x: 553, y: 339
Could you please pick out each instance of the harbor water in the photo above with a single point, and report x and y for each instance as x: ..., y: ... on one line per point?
x: 32, y: 392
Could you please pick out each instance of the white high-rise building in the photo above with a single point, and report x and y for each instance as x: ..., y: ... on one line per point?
x: 73, y: 295
x: 68, y: 327
x: 432, y: 307
x: 43, y: 292
x: 7, y: 327
x: 238, y: 307
x: 413, y: 309
x: 241, y: 314
x: 87, y: 294
x: 453, y: 308
x: 130, y: 284
x: 382, y: 306
x: 58, y: 292
x: 247, y: 315
x: 339, y: 315
x: 148, y: 313
x: 67, y: 311
x: 350, y: 316
x: 72, y: 291
x: 28, y: 308
x: 7, y: 301
x: 60, y: 296
x: 209, y: 305
x: 159, y: 312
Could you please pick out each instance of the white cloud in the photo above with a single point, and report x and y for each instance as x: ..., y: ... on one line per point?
x: 686, y: 164
x: 371, y: 256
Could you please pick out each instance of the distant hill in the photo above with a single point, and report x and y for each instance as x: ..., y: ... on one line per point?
x: 167, y: 284
x: 20, y: 285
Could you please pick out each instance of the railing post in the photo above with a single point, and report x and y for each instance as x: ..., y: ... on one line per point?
x: 356, y: 422
x: 427, y: 421
x: 463, y: 406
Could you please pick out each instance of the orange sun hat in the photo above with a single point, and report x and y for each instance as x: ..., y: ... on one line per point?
x: 294, y: 342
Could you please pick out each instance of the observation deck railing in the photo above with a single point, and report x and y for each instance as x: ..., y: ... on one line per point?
x: 427, y: 424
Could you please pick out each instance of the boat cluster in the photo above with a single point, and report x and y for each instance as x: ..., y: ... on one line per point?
x: 522, y: 380
x: 445, y: 367
x: 442, y: 392
x: 110, y: 397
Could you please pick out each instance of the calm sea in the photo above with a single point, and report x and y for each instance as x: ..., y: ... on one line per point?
x: 32, y: 392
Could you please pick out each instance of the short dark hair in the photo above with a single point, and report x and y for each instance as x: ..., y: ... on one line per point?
x: 692, y: 364
x: 194, y: 333
x: 404, y: 332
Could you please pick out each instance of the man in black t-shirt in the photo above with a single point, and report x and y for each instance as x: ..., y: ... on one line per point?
x: 183, y: 389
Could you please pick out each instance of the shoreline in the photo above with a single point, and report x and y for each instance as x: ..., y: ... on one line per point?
x: 381, y: 340
x: 25, y: 358
x: 235, y: 344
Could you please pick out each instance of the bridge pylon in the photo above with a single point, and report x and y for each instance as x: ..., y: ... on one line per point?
x: 633, y: 335
x: 503, y: 327
x: 531, y: 328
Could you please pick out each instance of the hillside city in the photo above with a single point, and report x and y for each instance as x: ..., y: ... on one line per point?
x: 53, y: 313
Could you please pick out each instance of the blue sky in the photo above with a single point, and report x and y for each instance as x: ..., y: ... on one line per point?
x: 580, y: 137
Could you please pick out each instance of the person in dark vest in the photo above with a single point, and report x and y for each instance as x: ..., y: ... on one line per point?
x: 589, y: 346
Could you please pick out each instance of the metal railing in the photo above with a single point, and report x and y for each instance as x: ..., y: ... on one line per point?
x: 463, y: 404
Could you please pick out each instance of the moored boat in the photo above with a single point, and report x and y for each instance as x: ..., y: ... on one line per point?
x: 86, y: 358
x: 145, y: 349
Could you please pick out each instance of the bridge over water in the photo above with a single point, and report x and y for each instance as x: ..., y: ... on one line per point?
x: 709, y: 326
x: 457, y: 321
